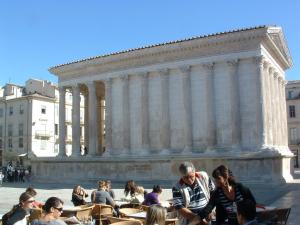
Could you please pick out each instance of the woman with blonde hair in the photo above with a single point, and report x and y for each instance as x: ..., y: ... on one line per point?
x: 156, y: 215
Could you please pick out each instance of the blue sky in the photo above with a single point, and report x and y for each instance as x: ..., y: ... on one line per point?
x: 38, y: 34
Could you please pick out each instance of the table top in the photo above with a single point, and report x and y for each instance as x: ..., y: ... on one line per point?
x: 138, y: 215
x: 264, y: 208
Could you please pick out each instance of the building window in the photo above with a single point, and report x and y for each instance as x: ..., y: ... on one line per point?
x: 10, y: 145
x: 20, y: 142
x: 11, y: 110
x: 290, y: 94
x: 21, y: 109
x: 21, y: 128
x: 293, y: 136
x: 56, y: 129
x: 292, y: 111
x: 1, y: 112
x: 43, y: 109
x: 1, y: 131
x: 10, y: 130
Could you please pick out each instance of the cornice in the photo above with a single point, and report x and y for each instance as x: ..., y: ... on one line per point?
x: 174, y: 51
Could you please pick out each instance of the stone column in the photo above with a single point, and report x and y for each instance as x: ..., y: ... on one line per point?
x: 62, y: 121
x: 268, y: 95
x: 108, y: 116
x: 165, y: 115
x: 272, y: 103
x: 187, y: 111
x: 275, y: 109
x: 235, y: 103
x: 281, y: 105
x: 209, y: 118
x: 145, y: 111
x: 92, y: 119
x: 75, y: 121
x: 86, y: 120
x: 261, y: 103
x: 126, y: 117
x: 284, y: 112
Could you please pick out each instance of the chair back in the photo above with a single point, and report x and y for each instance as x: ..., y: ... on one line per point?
x: 274, y: 217
x: 84, y: 213
x: 36, y: 213
x: 124, y: 212
x: 102, y: 210
x: 129, y: 222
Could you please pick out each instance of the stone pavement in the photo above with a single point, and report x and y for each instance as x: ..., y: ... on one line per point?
x: 286, y: 195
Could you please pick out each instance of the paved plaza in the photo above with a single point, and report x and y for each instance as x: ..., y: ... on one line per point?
x: 286, y: 195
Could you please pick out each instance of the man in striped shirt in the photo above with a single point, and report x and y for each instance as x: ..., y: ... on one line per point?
x: 191, y: 194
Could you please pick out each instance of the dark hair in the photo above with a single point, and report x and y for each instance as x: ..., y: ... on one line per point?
x: 52, y: 202
x: 130, y: 188
x: 223, y: 171
x: 157, y: 189
x: 31, y: 191
x: 247, y: 209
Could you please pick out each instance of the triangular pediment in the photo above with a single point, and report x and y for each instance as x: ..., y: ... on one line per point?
x: 277, y: 37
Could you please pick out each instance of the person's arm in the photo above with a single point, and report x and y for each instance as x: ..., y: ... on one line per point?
x: 109, y: 200
x: 204, y: 213
x: 247, y: 194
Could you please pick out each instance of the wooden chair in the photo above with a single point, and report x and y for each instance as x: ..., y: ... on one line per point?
x: 85, y: 212
x: 101, y: 212
x: 36, y: 213
x: 130, y: 222
x: 274, y: 217
x: 124, y: 212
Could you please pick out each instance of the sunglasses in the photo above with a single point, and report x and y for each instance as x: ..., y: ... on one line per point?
x: 31, y: 201
x: 59, y: 209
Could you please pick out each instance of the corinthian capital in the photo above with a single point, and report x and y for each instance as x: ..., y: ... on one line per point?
x: 185, y: 69
x: 208, y: 66
x: 259, y: 60
x: 164, y: 72
x: 232, y: 63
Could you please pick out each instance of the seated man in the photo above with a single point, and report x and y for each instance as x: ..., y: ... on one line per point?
x: 246, y: 212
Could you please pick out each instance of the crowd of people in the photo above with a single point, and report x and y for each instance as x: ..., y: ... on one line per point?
x: 17, y: 173
x: 197, y: 199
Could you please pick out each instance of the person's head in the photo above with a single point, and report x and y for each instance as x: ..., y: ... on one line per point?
x: 156, y: 214
x: 246, y: 211
x: 222, y: 176
x: 157, y: 189
x: 31, y: 191
x: 76, y: 189
x: 108, y: 184
x: 53, y: 206
x: 101, y: 185
x: 130, y: 188
x: 26, y: 200
x: 187, y: 171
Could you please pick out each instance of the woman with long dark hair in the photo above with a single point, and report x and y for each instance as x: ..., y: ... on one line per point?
x: 51, y: 212
x: 18, y: 214
x: 225, y: 197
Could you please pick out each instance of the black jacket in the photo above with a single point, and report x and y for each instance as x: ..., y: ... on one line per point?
x: 221, y: 214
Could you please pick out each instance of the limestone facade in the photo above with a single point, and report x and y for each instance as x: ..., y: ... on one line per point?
x: 217, y: 98
x: 293, y: 117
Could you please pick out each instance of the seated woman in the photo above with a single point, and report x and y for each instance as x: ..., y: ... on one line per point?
x: 156, y: 215
x: 17, y: 215
x: 79, y: 195
x: 225, y: 197
x: 51, y: 212
x: 153, y: 197
x: 101, y: 196
x: 134, y: 193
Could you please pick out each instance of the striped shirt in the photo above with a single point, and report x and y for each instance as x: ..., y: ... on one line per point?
x: 198, y: 199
